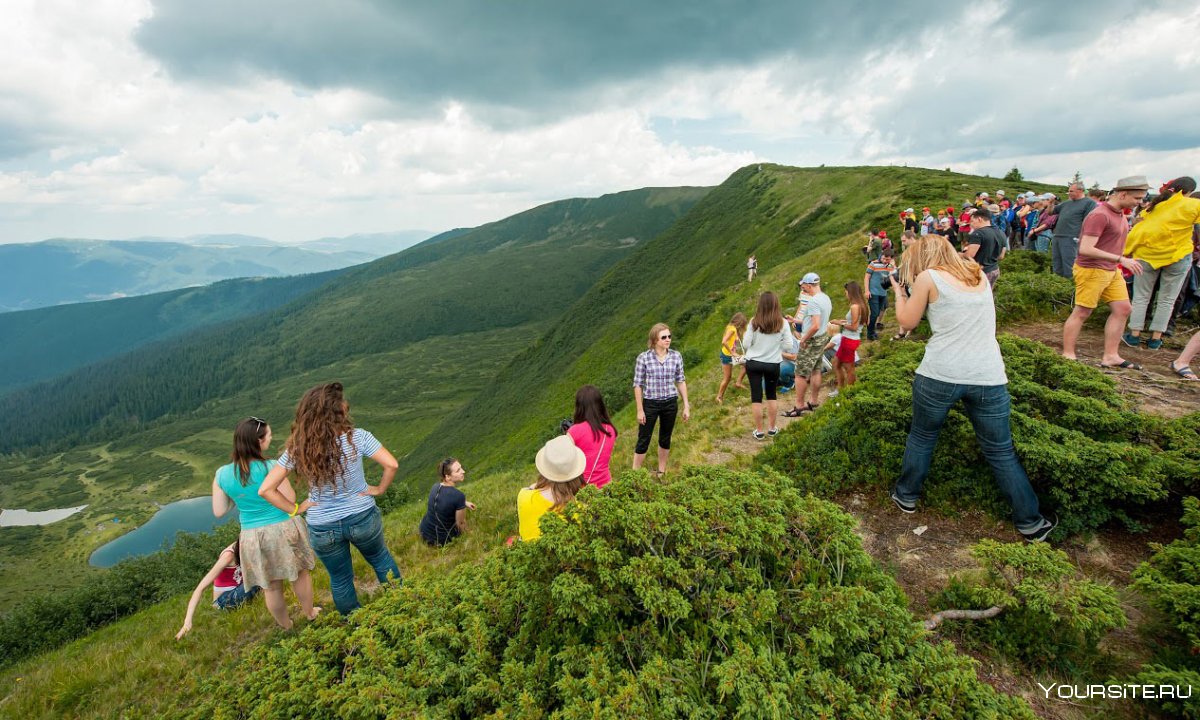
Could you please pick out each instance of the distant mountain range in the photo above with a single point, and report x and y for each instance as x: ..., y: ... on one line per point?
x: 60, y: 271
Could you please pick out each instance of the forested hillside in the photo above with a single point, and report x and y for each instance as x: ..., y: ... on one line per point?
x: 41, y: 344
x: 524, y: 268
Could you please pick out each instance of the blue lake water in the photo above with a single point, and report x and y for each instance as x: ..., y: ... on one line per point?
x: 193, y: 515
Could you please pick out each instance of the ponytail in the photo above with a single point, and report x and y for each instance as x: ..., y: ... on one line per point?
x: 1185, y: 185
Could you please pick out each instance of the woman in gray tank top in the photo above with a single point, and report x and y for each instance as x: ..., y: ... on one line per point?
x: 962, y: 362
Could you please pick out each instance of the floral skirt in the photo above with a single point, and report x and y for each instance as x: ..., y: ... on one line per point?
x: 275, y: 552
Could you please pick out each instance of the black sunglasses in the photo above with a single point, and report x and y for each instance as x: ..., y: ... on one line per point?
x: 664, y: 337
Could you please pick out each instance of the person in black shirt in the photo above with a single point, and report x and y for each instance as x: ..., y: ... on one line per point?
x: 446, y: 511
x: 985, y: 244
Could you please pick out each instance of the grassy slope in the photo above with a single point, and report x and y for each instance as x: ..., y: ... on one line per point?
x: 40, y: 344
x: 398, y: 395
x: 692, y: 277
x: 701, y: 259
x: 521, y: 269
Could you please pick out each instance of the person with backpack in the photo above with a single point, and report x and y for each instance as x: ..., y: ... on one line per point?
x: 593, y: 433
x: 446, y: 506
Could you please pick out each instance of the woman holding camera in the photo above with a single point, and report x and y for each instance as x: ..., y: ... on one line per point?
x: 962, y: 362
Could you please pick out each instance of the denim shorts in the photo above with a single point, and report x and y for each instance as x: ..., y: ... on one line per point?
x: 726, y: 359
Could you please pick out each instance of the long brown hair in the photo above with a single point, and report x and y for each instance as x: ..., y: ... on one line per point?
x: 935, y: 251
x: 738, y: 321
x: 322, y: 418
x: 855, y: 294
x: 247, y: 447
x: 590, y: 408
x: 563, y: 492
x: 768, y: 318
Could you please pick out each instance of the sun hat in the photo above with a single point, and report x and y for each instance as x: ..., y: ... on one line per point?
x: 815, y: 279
x: 993, y: 208
x: 909, y: 210
x: 983, y: 195
x: 560, y: 460
x: 1000, y: 193
x: 1133, y: 182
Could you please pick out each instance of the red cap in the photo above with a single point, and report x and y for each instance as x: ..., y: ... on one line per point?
x: 883, y: 233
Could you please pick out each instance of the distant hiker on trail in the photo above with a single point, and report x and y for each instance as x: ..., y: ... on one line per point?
x: 560, y: 467
x: 813, y: 321
x: 228, y: 589
x: 1096, y: 276
x: 1162, y: 244
x: 273, y: 544
x: 767, y: 338
x: 594, y: 434
x: 327, y: 450
x: 731, y: 347
x: 446, y: 507
x: 985, y: 244
x: 851, y: 336
x: 751, y: 268
x: 877, y: 272
x: 1065, y: 243
x: 962, y: 361
x: 1179, y: 365
x: 658, y: 384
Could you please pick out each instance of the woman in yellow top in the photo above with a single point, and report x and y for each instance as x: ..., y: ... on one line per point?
x: 731, y: 343
x: 1162, y: 243
x: 560, y: 466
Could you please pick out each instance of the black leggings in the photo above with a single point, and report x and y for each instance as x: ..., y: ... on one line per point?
x: 656, y: 410
x: 760, y: 374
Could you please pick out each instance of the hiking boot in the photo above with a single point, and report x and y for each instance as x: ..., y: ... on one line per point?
x: 1040, y: 535
x: 905, y: 507
x: 1131, y: 340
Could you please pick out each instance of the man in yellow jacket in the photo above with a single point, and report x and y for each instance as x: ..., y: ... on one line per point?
x: 1162, y: 243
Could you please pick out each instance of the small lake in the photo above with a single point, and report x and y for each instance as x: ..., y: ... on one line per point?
x: 193, y: 515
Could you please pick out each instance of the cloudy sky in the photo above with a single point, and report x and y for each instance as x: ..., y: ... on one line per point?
x: 305, y: 118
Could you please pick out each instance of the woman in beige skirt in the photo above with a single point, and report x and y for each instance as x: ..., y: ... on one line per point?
x: 273, y: 544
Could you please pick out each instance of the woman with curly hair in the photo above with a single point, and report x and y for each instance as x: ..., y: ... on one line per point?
x: 327, y: 451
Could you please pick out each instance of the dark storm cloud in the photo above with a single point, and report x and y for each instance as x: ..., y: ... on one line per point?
x: 525, y: 55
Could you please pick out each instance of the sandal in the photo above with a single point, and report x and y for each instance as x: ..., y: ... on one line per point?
x: 759, y: 435
x: 772, y: 432
x: 1184, y: 372
x: 809, y: 407
x: 794, y: 412
x: 1123, y: 365
x: 899, y: 336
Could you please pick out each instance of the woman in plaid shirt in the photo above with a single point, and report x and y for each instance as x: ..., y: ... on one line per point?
x: 658, y: 384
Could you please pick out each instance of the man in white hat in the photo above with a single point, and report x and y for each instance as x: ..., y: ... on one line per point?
x: 1096, y: 273
x: 814, y: 322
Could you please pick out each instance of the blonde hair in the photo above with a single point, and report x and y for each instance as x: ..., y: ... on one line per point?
x: 935, y: 251
x: 563, y: 492
x: 654, y: 331
x: 738, y: 321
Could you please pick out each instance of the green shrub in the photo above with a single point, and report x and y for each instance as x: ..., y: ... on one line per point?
x: 1159, y: 675
x: 1086, y: 453
x: 717, y: 594
x: 47, y: 621
x: 1171, y: 577
x: 1022, y: 296
x: 1051, y: 616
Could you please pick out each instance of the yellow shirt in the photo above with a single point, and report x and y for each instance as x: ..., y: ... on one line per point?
x: 531, y: 506
x: 727, y: 345
x: 1165, y: 235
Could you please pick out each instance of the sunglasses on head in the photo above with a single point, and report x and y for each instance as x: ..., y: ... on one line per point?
x: 260, y: 422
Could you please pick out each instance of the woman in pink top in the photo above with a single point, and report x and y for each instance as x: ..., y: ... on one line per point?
x: 594, y: 434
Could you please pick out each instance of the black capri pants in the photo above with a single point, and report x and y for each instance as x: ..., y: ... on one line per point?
x: 664, y: 410
x: 762, y: 376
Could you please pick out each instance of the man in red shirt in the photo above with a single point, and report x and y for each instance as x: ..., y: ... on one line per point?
x: 1096, y: 273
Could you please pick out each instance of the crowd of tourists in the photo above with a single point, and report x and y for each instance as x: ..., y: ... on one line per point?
x: 944, y: 269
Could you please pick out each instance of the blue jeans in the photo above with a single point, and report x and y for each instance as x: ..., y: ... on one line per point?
x: 988, y: 408
x: 877, y: 304
x: 332, y: 543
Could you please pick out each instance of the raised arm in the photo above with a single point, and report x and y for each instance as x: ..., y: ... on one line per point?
x: 225, y: 558
x: 910, y: 307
